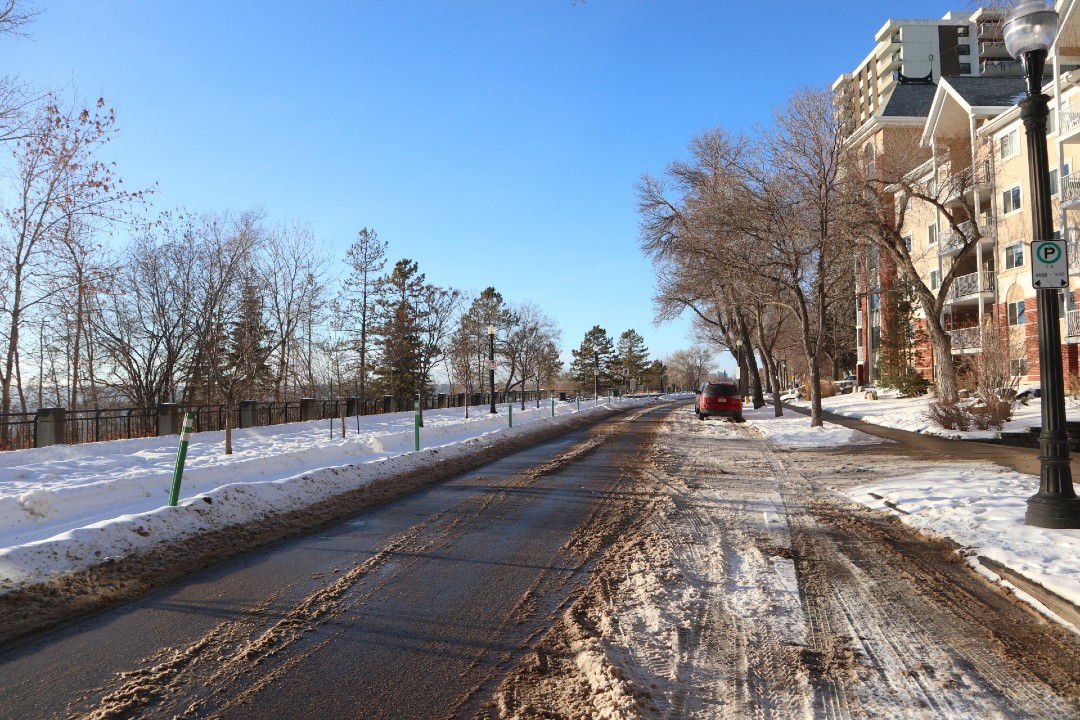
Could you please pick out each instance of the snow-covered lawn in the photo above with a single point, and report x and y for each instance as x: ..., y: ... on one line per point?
x: 911, y: 413
x: 67, y: 507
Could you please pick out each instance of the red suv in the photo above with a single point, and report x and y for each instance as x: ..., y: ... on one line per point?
x: 719, y: 398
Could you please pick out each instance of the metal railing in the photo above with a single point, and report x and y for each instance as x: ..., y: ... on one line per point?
x: 972, y: 284
x: 968, y: 338
x: 1072, y: 323
x: 1070, y: 117
x: 17, y: 430
x: 953, y: 242
x: 99, y: 425
x: 999, y: 67
x: 1070, y: 186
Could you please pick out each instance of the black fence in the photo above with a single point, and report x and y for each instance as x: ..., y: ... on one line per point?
x: 49, y: 426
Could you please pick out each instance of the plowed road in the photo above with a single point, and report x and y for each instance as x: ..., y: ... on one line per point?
x: 648, y: 566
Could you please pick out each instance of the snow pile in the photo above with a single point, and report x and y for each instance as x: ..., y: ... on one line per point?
x: 794, y: 431
x: 66, y: 507
x: 982, y: 508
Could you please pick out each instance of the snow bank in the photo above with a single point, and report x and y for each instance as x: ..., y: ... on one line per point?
x: 66, y: 507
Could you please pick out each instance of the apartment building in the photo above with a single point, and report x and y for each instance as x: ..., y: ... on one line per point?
x: 959, y: 44
x: 971, y: 129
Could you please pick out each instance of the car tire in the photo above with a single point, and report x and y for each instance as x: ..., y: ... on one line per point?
x: 739, y: 419
x: 701, y: 416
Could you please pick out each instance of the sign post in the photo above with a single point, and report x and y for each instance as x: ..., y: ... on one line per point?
x: 181, y: 455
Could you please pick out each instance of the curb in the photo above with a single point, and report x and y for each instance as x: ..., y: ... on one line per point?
x: 1055, y: 603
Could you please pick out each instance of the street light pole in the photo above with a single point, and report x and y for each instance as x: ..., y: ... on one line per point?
x: 595, y: 375
x: 491, y: 364
x: 1029, y: 31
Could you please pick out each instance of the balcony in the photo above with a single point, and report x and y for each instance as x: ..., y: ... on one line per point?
x: 999, y: 68
x: 966, y: 339
x: 993, y: 50
x: 889, y: 62
x: 970, y: 289
x: 963, y: 182
x: 989, y: 31
x: 1073, y: 250
x: 1070, y: 190
x: 952, y: 243
x: 1072, y: 323
x: 1070, y: 118
x: 862, y: 355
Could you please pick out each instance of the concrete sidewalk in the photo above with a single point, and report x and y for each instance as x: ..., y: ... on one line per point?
x: 1025, y: 460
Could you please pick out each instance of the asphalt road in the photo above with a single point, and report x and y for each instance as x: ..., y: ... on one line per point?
x: 413, y: 609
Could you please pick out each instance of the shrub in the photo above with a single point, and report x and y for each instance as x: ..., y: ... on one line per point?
x: 912, y: 385
x: 950, y: 417
x: 828, y: 389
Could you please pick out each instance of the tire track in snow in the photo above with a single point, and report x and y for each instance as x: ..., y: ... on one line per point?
x: 910, y: 653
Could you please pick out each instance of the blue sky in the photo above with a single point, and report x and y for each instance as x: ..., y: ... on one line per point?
x: 496, y: 142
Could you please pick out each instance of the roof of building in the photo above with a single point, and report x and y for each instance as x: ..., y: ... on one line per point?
x: 912, y: 101
x: 988, y: 91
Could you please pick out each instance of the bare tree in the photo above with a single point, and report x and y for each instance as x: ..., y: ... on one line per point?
x: 772, y: 210
x: 689, y: 368
x: 59, y: 182
x: 235, y: 341
x: 945, y: 182
x: 16, y: 15
x: 294, y: 271
x: 528, y: 346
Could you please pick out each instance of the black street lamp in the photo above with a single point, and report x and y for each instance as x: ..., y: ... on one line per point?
x: 491, y: 364
x: 595, y: 376
x: 1029, y: 31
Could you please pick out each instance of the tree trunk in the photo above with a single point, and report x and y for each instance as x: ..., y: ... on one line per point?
x: 751, y: 363
x: 230, y: 408
x: 944, y: 372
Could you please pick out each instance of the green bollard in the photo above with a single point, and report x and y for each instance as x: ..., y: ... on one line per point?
x: 416, y: 425
x: 181, y: 455
x: 510, y: 414
x: 552, y: 404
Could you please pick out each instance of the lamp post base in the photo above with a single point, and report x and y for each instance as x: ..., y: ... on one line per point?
x: 1058, y: 513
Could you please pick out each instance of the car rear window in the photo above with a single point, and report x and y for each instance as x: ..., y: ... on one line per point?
x: 715, y: 390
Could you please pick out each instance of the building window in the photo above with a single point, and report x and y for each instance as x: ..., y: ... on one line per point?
x: 935, y: 279
x: 931, y: 234
x: 963, y: 49
x: 1009, y: 144
x: 1054, y: 189
x: 1018, y: 367
x: 1016, y: 312
x: 907, y: 242
x: 963, y: 31
x: 1014, y: 256
x: 965, y: 68
x: 875, y: 338
x: 1010, y: 200
x: 875, y: 302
